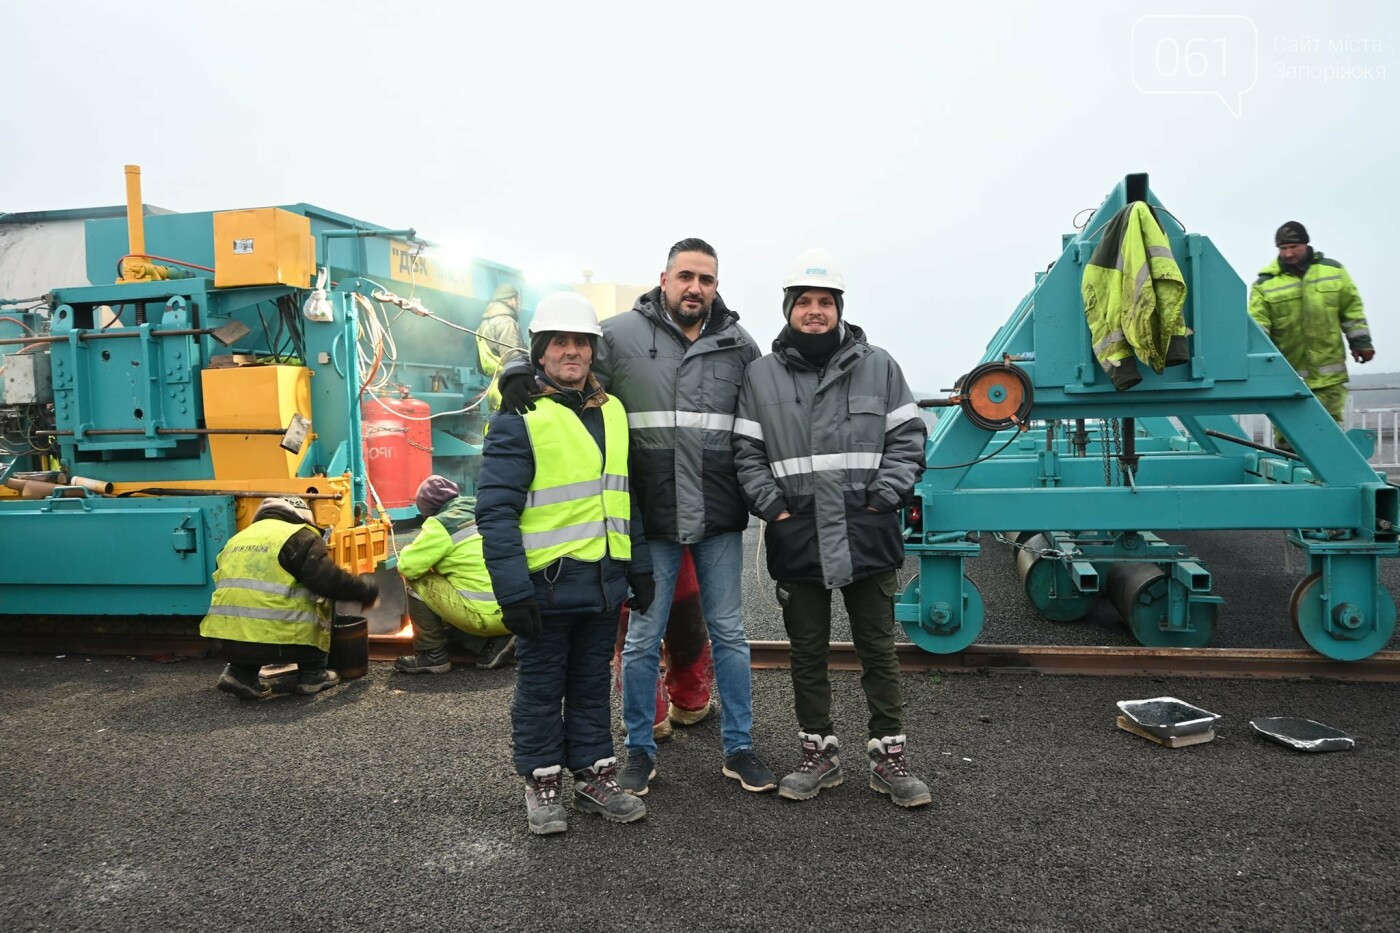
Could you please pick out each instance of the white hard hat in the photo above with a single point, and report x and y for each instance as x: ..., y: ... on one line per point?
x: 815, y: 269
x: 568, y: 312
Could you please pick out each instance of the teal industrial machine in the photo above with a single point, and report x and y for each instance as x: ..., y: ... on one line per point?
x: 1037, y: 438
x: 234, y: 355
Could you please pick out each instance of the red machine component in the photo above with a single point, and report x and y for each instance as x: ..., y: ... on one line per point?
x: 398, y: 446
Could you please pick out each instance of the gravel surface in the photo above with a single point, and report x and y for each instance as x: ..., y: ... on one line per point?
x: 139, y: 798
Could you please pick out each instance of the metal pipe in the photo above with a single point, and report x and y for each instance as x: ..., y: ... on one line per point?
x: 112, y: 334
x: 236, y: 493
x: 1254, y: 444
x: 135, y: 220
x: 113, y: 431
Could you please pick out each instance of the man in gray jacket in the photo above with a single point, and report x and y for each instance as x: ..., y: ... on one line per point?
x: 675, y: 361
x: 829, y: 444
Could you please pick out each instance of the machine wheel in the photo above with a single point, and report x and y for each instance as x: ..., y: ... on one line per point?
x: 936, y: 642
x: 1139, y: 593
x: 1309, y: 615
x: 1047, y: 584
x: 997, y: 396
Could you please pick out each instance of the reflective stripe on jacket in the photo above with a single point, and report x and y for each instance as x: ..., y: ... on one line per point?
x: 578, y: 504
x: 450, y: 544
x: 256, y: 600
x: 1306, y: 317
x: 680, y: 399
x: 1133, y: 291
x: 840, y: 449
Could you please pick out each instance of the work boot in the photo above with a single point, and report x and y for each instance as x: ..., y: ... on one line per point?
x: 242, y: 686
x: 889, y: 773
x: 544, y: 801
x: 437, y: 661
x: 639, y: 771
x: 315, y: 680
x: 819, y: 768
x: 661, y: 731
x: 497, y: 652
x: 596, y: 791
x: 749, y: 770
x: 689, y: 717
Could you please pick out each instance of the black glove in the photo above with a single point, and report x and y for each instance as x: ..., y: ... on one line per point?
x: 515, y: 392
x: 523, y: 618
x: 643, y: 590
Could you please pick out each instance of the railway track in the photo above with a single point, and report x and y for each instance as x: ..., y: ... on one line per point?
x: 1264, y: 663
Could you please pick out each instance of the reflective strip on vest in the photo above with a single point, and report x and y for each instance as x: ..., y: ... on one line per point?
x: 1325, y: 278
x: 797, y: 466
x: 1108, y: 341
x: 463, y: 533
x: 1279, y: 288
x: 476, y: 597
x: 292, y: 591
x: 579, y: 503
x: 271, y: 615
x: 1331, y: 368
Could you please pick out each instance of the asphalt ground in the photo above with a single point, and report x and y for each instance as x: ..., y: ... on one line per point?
x: 139, y: 798
x: 136, y: 797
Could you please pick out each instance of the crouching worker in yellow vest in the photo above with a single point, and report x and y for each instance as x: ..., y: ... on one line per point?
x: 273, y: 593
x: 449, y: 590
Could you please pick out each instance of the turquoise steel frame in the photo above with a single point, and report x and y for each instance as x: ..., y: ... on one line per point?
x: 1191, y: 477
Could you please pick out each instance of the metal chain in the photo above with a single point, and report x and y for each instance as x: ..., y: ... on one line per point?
x: 1103, y: 449
x: 1051, y: 552
x: 1118, y: 442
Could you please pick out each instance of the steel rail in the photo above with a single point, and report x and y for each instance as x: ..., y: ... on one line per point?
x: 147, y: 640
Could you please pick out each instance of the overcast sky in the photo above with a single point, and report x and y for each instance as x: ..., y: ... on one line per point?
x: 938, y: 151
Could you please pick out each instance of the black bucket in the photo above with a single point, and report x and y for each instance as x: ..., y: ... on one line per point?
x: 349, y: 647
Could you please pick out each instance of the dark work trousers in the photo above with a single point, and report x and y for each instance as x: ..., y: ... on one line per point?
x: 431, y: 633
x: 560, y: 713
x: 246, y: 657
x: 807, y: 618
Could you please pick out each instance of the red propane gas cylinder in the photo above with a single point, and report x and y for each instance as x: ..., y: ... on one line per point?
x: 398, y: 446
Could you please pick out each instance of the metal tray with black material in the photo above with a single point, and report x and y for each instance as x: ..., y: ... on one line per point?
x: 1167, y: 720
x: 1304, y: 735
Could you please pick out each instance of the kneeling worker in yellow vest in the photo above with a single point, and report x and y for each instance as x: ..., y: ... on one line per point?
x: 449, y: 590
x: 273, y: 593
x: 564, y: 543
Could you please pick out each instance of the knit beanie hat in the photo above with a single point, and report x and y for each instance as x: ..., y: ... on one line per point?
x: 1291, y: 232
x: 505, y: 293
x: 540, y: 342
x: 291, y: 507
x: 434, y: 493
x: 790, y: 296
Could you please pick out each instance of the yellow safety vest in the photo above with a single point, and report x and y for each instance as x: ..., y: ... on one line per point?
x: 578, y: 504
x: 256, y: 600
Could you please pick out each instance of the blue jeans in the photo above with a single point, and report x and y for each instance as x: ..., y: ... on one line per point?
x: 561, y: 712
x: 719, y: 567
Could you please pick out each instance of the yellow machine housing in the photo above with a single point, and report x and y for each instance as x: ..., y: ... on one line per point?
x: 263, y: 246
x: 254, y: 397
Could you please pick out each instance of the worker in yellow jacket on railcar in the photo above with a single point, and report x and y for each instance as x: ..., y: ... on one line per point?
x: 273, y: 600
x: 1306, y: 304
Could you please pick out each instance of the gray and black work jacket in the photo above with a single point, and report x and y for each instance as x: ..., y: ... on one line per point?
x: 680, y: 399
x: 840, y: 449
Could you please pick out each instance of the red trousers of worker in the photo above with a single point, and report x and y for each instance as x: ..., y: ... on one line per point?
x: 685, y: 656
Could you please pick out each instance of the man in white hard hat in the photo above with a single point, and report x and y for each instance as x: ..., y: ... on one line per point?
x: 676, y: 361
x: 272, y: 604
x: 563, y: 545
x: 829, y: 444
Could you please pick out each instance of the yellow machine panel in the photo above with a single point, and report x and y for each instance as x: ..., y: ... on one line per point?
x: 263, y: 246
x: 256, y: 398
